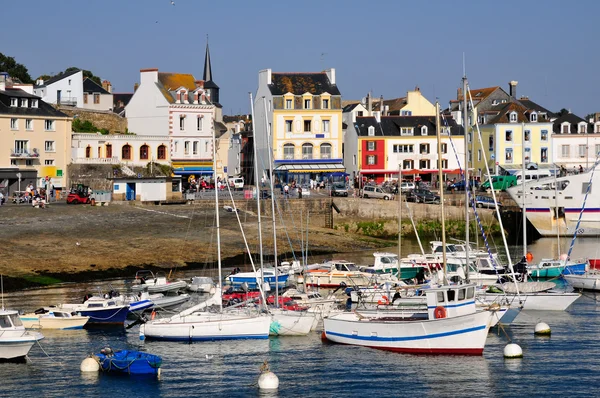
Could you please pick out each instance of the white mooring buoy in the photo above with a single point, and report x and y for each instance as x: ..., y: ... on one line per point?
x: 89, y: 365
x: 267, y: 379
x: 513, y: 351
x: 542, y: 329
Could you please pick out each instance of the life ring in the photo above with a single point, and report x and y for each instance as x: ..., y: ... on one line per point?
x: 529, y: 257
x: 440, y: 312
x: 384, y: 301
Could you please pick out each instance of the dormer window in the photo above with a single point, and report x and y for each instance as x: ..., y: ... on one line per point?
x: 495, y: 102
x: 23, y: 102
x: 34, y: 103
x: 582, y: 128
x: 307, y: 104
x: 424, y: 130
x: 565, y: 128
x: 513, y: 116
x: 288, y: 104
x: 534, y: 117
x: 13, y: 102
x: 371, y: 131
x: 325, y: 104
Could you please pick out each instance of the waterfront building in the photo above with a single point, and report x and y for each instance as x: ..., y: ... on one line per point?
x: 34, y: 139
x: 127, y: 149
x: 97, y: 97
x: 183, y: 110
x: 387, y: 143
x: 576, y: 142
x: 304, y: 122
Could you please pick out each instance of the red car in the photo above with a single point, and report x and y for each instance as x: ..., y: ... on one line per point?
x: 78, y: 198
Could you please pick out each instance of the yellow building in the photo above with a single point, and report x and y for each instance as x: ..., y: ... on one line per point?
x: 35, y: 141
x: 511, y: 134
x: 304, y: 116
x: 414, y: 104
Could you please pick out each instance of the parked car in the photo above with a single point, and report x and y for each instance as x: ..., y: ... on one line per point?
x: 406, y: 187
x: 338, y: 189
x: 460, y: 185
x: 423, y: 196
x: 485, y: 201
x: 375, y: 192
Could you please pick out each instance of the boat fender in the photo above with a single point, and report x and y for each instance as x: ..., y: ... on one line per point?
x: 153, y: 315
x: 440, y: 312
x: 384, y: 301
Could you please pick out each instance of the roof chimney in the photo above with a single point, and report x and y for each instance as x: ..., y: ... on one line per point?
x: 381, y: 107
x: 107, y: 86
x: 513, y: 88
x: 369, y: 105
x: 459, y: 93
x: 331, y: 75
x: 149, y: 75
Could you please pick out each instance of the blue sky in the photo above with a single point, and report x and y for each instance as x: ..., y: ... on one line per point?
x: 386, y: 47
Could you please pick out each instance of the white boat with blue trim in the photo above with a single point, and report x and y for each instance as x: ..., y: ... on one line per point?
x: 15, y: 341
x: 452, y: 325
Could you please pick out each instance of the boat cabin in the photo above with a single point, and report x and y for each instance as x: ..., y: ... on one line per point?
x: 9, y: 320
x: 450, y: 301
x: 342, y: 266
x: 384, y: 261
x: 99, y: 302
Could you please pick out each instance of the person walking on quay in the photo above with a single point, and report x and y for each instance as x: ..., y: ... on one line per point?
x: 286, y: 190
x: 580, y: 169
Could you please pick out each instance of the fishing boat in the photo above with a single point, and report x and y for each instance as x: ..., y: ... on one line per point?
x: 552, y: 268
x: 451, y: 326
x: 100, y: 310
x: 55, y: 319
x: 387, y: 263
x: 15, y: 341
x: 128, y: 362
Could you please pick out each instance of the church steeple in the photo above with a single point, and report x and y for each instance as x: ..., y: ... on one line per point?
x: 207, y: 69
x: 209, y: 85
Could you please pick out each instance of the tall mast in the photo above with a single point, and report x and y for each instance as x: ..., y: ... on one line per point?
x: 217, y: 223
x: 399, y: 220
x: 466, y: 174
x: 524, y: 211
x: 272, y: 206
x: 438, y: 133
x: 257, y: 184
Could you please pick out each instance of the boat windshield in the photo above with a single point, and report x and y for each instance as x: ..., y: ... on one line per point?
x: 5, y: 322
x: 346, y: 267
x: 16, y: 321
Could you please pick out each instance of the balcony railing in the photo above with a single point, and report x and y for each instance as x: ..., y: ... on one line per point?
x: 113, y: 160
x: 24, y: 153
x: 69, y: 101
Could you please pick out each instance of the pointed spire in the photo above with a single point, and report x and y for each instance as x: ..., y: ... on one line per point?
x: 207, y: 69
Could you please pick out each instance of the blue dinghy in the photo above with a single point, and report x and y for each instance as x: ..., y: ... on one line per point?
x: 129, y: 362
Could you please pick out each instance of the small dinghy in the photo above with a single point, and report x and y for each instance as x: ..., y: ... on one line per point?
x: 129, y: 362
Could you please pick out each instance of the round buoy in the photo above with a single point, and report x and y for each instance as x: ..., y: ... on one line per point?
x: 89, y: 365
x: 542, y: 329
x: 268, y: 381
x: 513, y: 351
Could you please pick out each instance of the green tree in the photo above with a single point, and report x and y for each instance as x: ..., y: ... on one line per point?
x: 562, y: 112
x: 14, y: 69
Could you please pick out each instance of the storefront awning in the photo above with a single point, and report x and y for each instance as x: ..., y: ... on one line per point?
x: 193, y: 170
x: 311, y: 168
x: 410, y: 171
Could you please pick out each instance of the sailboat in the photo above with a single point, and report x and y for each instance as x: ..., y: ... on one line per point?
x: 196, y: 324
x: 451, y: 324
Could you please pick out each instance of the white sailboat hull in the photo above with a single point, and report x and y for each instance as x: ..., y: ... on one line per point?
x: 463, y: 335
x: 543, y: 301
x: 588, y: 281
x: 291, y: 323
x: 207, y: 326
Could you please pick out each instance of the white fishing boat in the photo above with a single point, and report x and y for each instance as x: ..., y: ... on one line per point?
x: 55, y: 319
x: 201, y: 284
x: 15, y: 341
x: 534, y: 296
x: 451, y: 326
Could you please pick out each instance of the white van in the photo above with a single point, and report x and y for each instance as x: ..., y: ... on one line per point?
x: 236, y: 182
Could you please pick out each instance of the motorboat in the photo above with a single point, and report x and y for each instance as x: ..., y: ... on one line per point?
x: 100, y: 310
x: 53, y: 319
x: 387, y: 263
x: 537, y: 296
x: 128, y: 362
x: 201, y: 284
x: 253, y: 279
x: 15, y: 341
x: 336, y: 273
x: 554, y: 268
x: 588, y: 281
x: 148, y: 281
x: 451, y: 325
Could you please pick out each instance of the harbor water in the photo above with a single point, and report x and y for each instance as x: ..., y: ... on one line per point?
x: 563, y: 364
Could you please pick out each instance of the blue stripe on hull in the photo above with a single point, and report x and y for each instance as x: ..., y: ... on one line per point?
x: 211, y: 338
x: 431, y: 336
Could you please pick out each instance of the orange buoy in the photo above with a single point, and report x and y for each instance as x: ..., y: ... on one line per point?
x: 439, y: 312
x: 529, y: 257
x: 384, y: 301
